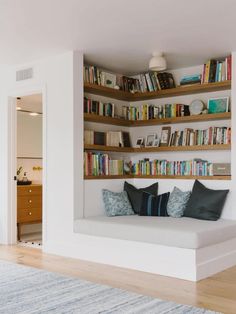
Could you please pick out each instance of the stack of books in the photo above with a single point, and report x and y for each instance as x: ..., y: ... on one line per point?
x: 196, y: 167
x: 147, y: 112
x: 93, y: 75
x: 110, y: 138
x: 99, y: 108
x: 191, y: 80
x: 210, y: 136
x: 97, y: 164
x: 217, y: 70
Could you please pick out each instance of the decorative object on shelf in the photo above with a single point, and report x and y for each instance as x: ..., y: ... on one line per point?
x: 221, y: 169
x: 165, y: 136
x: 190, y: 79
x: 156, y: 142
x: 150, y: 140
x: 157, y: 62
x: 140, y: 142
x: 108, y: 79
x: 218, y: 105
x: 196, y: 107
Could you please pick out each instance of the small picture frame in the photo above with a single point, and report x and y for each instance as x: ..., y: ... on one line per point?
x: 139, y: 142
x: 165, y: 136
x: 218, y: 105
x: 156, y: 142
x: 150, y: 140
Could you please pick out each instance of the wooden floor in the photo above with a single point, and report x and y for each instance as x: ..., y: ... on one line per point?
x: 216, y: 293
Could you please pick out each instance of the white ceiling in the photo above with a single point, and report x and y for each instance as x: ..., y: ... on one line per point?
x: 31, y: 103
x: 118, y: 34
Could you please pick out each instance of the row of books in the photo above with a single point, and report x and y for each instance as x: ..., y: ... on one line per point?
x: 110, y: 138
x: 146, y: 82
x: 99, y: 108
x: 146, y: 112
x: 96, y: 164
x: 210, y: 136
x: 196, y: 167
x: 217, y: 70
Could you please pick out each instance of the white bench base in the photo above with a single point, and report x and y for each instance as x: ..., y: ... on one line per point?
x: 188, y: 264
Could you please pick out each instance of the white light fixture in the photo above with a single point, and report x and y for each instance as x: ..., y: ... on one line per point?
x: 157, y: 62
x: 18, y: 108
x: 34, y: 114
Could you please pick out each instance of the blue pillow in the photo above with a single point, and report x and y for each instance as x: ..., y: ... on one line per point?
x: 154, y: 205
x: 116, y: 204
x: 177, y: 202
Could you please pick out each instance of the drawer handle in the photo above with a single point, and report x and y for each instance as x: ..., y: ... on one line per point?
x: 30, y: 213
x: 30, y: 191
x: 30, y: 201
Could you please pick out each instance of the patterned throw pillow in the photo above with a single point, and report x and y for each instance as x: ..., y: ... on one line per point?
x: 116, y: 204
x: 177, y: 202
x: 154, y: 205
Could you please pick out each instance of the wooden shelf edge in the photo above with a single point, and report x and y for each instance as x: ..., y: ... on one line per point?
x: 157, y: 149
x: 136, y: 123
x: 109, y: 177
x: 178, y: 91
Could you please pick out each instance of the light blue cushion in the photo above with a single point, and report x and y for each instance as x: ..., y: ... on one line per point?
x: 177, y: 202
x: 116, y: 204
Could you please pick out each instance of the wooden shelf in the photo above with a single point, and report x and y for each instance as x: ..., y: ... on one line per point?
x: 106, y: 120
x: 182, y: 148
x: 178, y: 91
x: 157, y: 149
x: 125, y: 176
x: 108, y: 177
x: 107, y: 92
x: 130, y: 123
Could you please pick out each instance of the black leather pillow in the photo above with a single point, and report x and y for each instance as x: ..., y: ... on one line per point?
x: 135, y: 195
x: 154, y: 205
x: 204, y: 203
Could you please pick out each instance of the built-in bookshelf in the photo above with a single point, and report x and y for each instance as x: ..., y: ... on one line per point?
x: 165, y: 93
x: 142, y: 96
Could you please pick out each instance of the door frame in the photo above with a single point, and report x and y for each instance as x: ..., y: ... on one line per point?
x: 12, y: 155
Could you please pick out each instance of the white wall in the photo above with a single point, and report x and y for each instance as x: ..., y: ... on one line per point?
x: 55, y: 76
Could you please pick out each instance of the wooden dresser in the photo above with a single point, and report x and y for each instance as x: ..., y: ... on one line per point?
x: 29, y: 205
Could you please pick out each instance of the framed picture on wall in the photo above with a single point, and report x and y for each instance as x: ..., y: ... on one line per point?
x: 218, y: 105
x: 165, y: 136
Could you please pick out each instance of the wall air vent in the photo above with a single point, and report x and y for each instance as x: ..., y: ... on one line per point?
x: 24, y: 74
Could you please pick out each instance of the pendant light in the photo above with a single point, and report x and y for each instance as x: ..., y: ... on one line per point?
x: 157, y: 62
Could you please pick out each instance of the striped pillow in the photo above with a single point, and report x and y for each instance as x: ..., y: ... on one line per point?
x: 154, y: 205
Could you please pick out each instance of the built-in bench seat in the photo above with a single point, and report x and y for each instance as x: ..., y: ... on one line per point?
x: 175, y: 232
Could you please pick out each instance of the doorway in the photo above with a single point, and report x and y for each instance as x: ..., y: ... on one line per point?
x: 29, y: 166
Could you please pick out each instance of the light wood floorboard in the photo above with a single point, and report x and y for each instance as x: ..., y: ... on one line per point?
x: 216, y: 293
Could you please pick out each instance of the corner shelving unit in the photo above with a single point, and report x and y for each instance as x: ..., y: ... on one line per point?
x: 130, y: 97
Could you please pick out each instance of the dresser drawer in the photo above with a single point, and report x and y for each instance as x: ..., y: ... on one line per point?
x: 31, y: 201
x: 28, y: 215
x: 29, y: 190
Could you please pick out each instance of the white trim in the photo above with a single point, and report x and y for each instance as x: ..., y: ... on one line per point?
x: 19, y: 92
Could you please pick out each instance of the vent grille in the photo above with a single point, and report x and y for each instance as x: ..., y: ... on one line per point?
x: 24, y: 74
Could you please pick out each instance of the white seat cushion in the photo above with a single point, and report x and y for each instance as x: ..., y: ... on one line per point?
x: 176, y: 232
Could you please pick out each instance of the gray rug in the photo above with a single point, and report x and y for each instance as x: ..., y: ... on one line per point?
x: 28, y: 290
